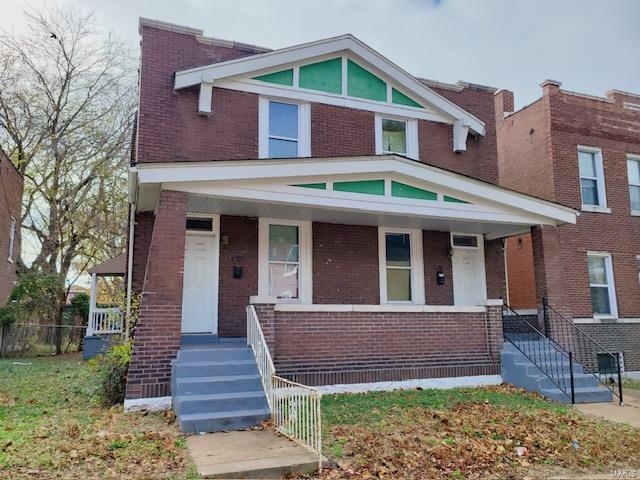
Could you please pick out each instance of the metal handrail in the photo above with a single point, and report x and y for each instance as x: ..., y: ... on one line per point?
x: 294, y: 407
x: 537, y: 356
x: 586, y: 347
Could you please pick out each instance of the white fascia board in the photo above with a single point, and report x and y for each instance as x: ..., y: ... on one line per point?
x: 231, y: 68
x: 294, y: 168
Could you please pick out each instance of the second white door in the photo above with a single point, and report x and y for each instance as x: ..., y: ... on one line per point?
x: 469, y: 285
x: 199, y: 291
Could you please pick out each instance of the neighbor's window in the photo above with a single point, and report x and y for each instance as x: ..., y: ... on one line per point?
x: 398, y: 266
x: 12, y: 238
x: 283, y: 130
x: 603, y: 299
x: 591, y: 178
x: 284, y: 261
x: 394, y: 136
x: 633, y: 173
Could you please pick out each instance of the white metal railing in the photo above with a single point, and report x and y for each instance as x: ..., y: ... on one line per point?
x: 295, y: 408
x: 295, y: 412
x: 105, y: 320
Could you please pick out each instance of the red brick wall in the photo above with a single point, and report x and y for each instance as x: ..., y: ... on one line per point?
x: 520, y: 272
x: 495, y: 269
x: 157, y: 331
x: 142, y: 233
x: 550, y: 170
x: 435, y: 248
x: 345, y: 264
x: 348, y: 347
x: 339, y: 131
x: 11, y: 185
x: 234, y: 293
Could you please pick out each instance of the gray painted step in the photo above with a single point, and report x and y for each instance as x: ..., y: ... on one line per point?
x: 218, y: 384
x: 217, y: 353
x: 217, y: 367
x: 518, y: 370
x: 221, y: 402
x: 219, y: 421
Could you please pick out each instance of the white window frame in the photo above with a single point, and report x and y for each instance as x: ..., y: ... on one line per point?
x: 611, y: 285
x: 411, y: 134
x: 417, y: 265
x: 12, y: 238
x: 636, y: 159
x: 304, y: 126
x: 305, y: 273
x: 599, y: 178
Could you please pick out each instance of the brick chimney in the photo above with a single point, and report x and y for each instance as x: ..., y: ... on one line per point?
x: 550, y: 87
x: 504, y: 104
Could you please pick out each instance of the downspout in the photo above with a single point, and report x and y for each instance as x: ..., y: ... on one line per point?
x: 133, y: 179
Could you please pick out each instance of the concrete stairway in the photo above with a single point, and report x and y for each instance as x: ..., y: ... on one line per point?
x: 518, y: 370
x: 215, y: 385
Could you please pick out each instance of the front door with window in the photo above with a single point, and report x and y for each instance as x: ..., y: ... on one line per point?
x: 199, y: 291
x: 469, y: 284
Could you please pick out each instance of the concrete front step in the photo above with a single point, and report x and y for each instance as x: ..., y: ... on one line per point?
x: 214, y: 353
x: 221, y: 402
x: 221, y: 421
x: 218, y: 384
x: 583, y: 395
x: 212, y: 368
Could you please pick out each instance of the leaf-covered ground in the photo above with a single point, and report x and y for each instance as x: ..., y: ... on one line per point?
x: 468, y: 433
x: 52, y: 426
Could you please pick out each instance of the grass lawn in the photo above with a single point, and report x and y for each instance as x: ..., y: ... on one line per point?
x: 632, y: 384
x: 468, y: 433
x: 52, y: 426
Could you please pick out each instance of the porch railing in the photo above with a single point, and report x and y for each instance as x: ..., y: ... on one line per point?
x: 295, y: 408
x: 105, y: 320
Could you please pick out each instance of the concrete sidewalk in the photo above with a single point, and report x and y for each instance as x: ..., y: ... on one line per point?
x: 249, y: 454
x: 629, y: 413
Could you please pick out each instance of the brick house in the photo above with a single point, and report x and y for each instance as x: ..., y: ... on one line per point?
x: 353, y: 207
x: 11, y: 185
x: 583, y: 152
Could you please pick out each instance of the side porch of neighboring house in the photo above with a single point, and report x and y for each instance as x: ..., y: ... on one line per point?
x: 359, y: 269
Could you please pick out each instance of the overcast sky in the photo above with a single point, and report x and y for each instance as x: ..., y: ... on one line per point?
x: 590, y: 45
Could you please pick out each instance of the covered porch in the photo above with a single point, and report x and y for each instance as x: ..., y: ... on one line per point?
x: 359, y: 269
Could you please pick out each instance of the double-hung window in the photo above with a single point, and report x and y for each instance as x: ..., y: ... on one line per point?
x: 603, y: 295
x: 283, y: 129
x: 633, y: 174
x: 396, y: 135
x: 12, y: 238
x: 592, y: 186
x: 401, y: 266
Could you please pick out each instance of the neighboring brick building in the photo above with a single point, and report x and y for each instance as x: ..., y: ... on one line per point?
x: 354, y: 205
x: 11, y: 185
x: 584, y: 152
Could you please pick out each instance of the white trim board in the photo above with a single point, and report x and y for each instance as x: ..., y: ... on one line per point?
x: 176, y: 175
x: 386, y: 308
x: 152, y: 404
x: 208, y: 75
x: 434, y: 383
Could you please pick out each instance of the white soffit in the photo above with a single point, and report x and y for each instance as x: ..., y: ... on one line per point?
x: 245, y: 173
x: 207, y: 75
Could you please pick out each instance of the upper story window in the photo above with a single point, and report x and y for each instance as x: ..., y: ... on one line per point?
x: 592, y: 185
x: 283, y: 129
x: 12, y: 238
x: 396, y: 135
x: 633, y: 174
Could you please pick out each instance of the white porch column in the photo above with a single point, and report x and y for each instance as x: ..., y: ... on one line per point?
x: 92, y: 303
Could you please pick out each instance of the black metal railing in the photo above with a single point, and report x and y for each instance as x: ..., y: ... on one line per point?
x: 595, y: 359
x: 550, y: 358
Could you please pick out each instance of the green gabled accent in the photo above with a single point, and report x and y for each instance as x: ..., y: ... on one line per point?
x: 324, y: 76
x: 372, y: 187
x: 447, y: 198
x: 407, y: 191
x: 363, y: 84
x: 285, y: 77
x: 319, y: 186
x: 400, y: 98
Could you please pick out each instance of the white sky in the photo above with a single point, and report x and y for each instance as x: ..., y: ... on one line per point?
x: 590, y: 45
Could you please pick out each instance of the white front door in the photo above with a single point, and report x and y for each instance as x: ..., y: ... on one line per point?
x: 199, y: 290
x: 469, y: 282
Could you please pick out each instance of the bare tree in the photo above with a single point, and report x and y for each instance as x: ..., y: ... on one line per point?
x: 67, y: 94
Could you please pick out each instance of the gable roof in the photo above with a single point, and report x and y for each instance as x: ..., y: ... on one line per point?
x: 207, y: 75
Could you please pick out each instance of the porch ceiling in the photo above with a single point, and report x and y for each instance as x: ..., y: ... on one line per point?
x: 223, y: 206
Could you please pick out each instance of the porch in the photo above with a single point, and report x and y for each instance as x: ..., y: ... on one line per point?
x: 361, y: 269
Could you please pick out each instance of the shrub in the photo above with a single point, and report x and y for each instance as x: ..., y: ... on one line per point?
x: 111, y: 369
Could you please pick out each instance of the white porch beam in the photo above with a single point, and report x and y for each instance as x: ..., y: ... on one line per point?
x: 92, y: 303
